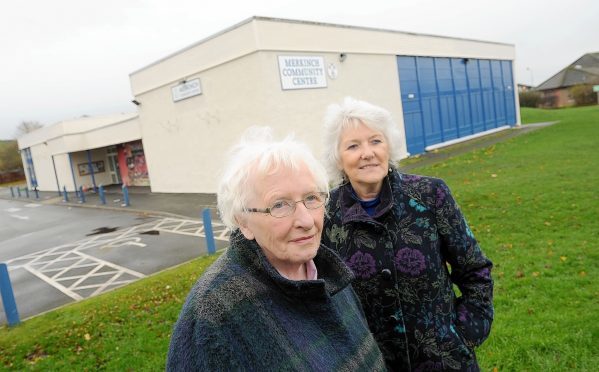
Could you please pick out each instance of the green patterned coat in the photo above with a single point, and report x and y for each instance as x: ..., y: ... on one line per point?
x: 243, y: 315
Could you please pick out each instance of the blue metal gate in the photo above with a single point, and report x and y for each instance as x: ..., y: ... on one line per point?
x: 449, y: 98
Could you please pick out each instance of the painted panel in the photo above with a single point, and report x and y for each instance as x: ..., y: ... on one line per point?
x: 498, y: 92
x: 410, y: 97
x: 488, y: 96
x: 447, y: 105
x: 477, y: 108
x: 432, y: 122
x: 462, y: 96
x: 510, y: 99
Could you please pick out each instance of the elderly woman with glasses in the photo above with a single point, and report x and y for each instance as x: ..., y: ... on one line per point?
x: 276, y: 299
x: 408, y: 244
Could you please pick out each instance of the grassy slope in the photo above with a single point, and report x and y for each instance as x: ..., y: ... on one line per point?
x: 531, y: 202
x: 127, y: 329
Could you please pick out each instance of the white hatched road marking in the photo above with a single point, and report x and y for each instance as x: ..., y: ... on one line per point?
x: 192, y: 227
x: 19, y: 217
x: 75, y: 273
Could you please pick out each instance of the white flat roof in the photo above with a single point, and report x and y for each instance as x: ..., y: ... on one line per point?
x: 313, y: 23
x: 74, y: 127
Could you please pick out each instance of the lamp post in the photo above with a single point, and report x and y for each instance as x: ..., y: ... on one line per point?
x: 532, y: 80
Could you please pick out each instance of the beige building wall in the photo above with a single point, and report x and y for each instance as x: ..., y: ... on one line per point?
x: 185, y: 142
x: 44, y: 171
x: 63, y: 171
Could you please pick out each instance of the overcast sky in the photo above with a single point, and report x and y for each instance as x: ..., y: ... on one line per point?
x: 62, y: 59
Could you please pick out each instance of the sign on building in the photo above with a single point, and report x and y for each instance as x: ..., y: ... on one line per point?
x: 187, y: 89
x: 302, y: 72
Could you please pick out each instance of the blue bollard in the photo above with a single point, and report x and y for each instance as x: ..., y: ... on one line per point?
x: 27, y: 192
x: 66, y: 195
x: 102, y: 195
x: 126, y: 195
x: 81, y: 195
x: 8, y: 298
x: 19, y: 191
x: 208, y: 231
x: 12, y: 193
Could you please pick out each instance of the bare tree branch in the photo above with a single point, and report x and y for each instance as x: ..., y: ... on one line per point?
x: 27, y: 127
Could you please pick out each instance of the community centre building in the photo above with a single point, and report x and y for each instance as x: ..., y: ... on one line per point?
x: 193, y: 104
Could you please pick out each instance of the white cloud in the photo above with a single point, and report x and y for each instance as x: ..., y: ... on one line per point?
x: 65, y: 58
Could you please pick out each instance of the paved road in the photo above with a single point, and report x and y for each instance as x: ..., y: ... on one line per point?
x: 58, y: 255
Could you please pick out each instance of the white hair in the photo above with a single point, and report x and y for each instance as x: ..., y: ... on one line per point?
x: 256, y: 155
x: 350, y: 114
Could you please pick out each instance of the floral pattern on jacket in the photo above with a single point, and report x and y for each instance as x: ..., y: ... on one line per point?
x: 406, y: 259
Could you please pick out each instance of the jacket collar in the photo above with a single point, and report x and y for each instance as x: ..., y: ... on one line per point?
x: 351, y: 210
x: 333, y: 274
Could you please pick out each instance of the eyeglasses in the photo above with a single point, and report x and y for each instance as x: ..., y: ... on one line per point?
x: 284, y: 208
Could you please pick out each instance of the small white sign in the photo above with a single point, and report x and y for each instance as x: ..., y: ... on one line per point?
x: 595, y: 88
x: 187, y: 89
x: 302, y: 72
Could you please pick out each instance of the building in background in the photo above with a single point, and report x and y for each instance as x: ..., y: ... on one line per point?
x: 87, y: 152
x: 524, y: 88
x: 193, y: 105
x: 557, y: 90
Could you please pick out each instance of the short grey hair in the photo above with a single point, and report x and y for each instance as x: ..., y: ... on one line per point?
x: 258, y: 154
x: 350, y: 114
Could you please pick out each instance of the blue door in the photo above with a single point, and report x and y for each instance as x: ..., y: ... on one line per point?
x: 462, y: 97
x: 509, y: 92
x: 449, y: 98
x: 498, y: 93
x: 477, y: 107
x: 446, y: 98
x: 486, y: 83
x: 412, y: 110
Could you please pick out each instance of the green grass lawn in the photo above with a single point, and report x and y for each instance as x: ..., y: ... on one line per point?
x: 532, y: 203
x: 124, y: 330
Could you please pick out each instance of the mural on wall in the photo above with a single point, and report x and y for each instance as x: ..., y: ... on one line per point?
x: 132, y: 164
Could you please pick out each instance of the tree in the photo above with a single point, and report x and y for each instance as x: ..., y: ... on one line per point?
x: 583, y: 94
x: 531, y: 98
x: 10, y: 159
x: 27, y: 127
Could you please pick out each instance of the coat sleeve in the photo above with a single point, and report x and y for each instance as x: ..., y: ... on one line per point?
x: 470, y: 269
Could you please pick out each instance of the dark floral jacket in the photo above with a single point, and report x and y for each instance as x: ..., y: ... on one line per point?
x: 406, y: 259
